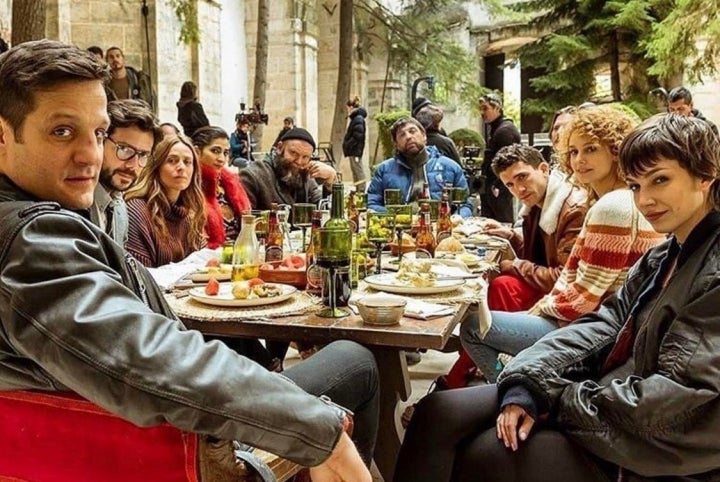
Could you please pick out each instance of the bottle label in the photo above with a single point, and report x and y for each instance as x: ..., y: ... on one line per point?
x: 273, y: 253
x: 422, y: 254
x: 314, y: 277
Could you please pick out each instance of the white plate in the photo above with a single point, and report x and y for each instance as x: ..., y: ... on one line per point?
x: 386, y: 282
x: 225, y: 297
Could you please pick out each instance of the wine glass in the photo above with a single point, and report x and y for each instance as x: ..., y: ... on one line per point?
x: 392, y: 197
x: 459, y: 196
x: 262, y: 219
x: 332, y: 248
x: 302, y: 218
x: 402, y: 219
x: 379, y: 231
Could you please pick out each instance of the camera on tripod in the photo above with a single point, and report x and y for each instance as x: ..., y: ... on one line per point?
x: 254, y: 116
x: 472, y: 160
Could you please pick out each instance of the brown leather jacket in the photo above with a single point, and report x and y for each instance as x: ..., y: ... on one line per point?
x: 559, y: 224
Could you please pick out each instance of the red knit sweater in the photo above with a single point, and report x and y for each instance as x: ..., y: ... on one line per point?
x: 235, y: 194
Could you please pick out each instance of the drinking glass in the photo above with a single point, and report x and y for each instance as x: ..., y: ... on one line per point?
x: 402, y: 219
x: 262, y: 218
x: 302, y: 218
x: 379, y: 231
x: 459, y: 196
x: 332, y: 248
x: 392, y: 197
x: 434, y: 205
x: 361, y: 201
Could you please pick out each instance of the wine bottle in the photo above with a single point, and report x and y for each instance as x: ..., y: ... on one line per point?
x: 342, y: 272
x: 274, y: 238
x: 244, y: 260
x: 425, y: 192
x: 425, y: 241
x: 444, y: 224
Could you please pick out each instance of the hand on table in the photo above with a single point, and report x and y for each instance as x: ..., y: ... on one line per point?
x: 507, y: 426
x: 320, y: 170
x: 343, y: 465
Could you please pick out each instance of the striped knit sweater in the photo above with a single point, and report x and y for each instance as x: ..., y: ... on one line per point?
x: 145, y: 245
x: 613, y: 237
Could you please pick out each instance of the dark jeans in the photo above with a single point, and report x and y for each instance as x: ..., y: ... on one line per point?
x: 452, y: 437
x: 345, y: 372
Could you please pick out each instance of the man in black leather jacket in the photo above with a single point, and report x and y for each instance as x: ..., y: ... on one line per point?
x: 77, y: 313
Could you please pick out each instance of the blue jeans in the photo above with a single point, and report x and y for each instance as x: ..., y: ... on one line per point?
x: 509, y: 333
x: 345, y: 372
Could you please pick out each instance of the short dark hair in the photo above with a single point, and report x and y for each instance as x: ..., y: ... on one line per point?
x: 133, y: 113
x: 402, y: 122
x: 289, y: 119
x: 205, y: 135
x: 680, y: 93
x: 95, y: 50
x: 493, y: 99
x: 37, y: 66
x: 170, y: 124
x: 114, y: 48
x: 514, y: 153
x: 430, y: 117
x: 688, y: 140
x: 188, y: 90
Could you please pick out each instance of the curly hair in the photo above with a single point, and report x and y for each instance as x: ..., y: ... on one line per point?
x: 150, y: 189
x: 602, y: 124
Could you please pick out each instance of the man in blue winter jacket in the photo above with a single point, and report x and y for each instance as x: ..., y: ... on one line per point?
x: 414, y: 164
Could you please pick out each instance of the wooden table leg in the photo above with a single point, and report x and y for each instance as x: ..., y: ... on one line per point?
x: 394, y: 387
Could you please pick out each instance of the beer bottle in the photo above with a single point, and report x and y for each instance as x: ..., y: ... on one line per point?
x: 353, y: 214
x: 274, y: 239
x: 425, y: 241
x: 444, y: 224
x: 312, y: 271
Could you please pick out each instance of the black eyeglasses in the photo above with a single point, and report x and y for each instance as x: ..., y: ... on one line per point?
x: 125, y: 152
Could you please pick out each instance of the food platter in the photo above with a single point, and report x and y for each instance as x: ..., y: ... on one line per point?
x: 388, y: 282
x: 225, y: 297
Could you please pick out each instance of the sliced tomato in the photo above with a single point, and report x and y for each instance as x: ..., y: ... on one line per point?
x: 255, y: 282
x: 213, y: 262
x: 212, y: 288
x: 287, y: 262
x: 297, y: 261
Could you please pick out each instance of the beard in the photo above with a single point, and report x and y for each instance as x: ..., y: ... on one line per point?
x: 106, y: 179
x: 288, y: 174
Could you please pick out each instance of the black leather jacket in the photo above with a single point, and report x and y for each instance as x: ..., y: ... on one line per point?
x: 658, y: 413
x: 78, y: 313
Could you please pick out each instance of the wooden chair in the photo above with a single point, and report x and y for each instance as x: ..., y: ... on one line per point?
x: 60, y: 437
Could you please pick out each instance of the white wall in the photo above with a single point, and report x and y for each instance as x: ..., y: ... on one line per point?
x: 233, y: 53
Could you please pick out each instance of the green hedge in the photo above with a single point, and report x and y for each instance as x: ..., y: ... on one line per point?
x: 385, y: 120
x: 467, y: 137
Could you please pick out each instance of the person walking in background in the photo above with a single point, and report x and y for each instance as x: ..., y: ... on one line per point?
x: 166, y: 208
x: 496, y: 202
x: 191, y: 114
x: 354, y: 141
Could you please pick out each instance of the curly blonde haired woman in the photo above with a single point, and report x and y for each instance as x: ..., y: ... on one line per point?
x: 613, y: 237
x: 166, y: 208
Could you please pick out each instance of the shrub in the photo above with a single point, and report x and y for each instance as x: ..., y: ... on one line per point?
x: 385, y: 120
x: 467, y: 137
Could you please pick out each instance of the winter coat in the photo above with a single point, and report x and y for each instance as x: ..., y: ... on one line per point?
x: 235, y: 194
x: 354, y: 141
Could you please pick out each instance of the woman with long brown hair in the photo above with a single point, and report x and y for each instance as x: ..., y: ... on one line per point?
x: 166, y: 208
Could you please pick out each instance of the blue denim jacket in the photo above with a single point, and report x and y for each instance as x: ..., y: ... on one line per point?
x: 395, y: 174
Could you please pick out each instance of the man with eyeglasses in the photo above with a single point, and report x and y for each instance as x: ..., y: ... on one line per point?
x: 132, y: 134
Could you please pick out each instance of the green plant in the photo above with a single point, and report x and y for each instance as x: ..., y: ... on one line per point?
x: 385, y: 120
x: 467, y: 137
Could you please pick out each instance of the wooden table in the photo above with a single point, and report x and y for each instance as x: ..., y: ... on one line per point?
x: 386, y: 343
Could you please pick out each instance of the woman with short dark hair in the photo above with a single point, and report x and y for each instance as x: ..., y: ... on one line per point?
x: 191, y: 114
x: 628, y: 392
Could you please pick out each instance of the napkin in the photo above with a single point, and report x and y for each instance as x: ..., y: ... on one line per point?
x: 167, y: 275
x: 414, y: 309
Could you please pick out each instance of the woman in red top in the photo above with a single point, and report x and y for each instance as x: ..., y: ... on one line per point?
x: 225, y: 197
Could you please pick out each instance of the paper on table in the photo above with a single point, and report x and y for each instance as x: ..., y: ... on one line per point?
x: 166, y: 276
x: 414, y: 309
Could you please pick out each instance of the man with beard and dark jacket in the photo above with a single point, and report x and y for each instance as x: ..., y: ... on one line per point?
x: 413, y: 165
x: 680, y: 101
x: 132, y: 134
x: 354, y: 141
x: 288, y: 176
x: 78, y: 314
x: 496, y: 202
x: 430, y: 117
